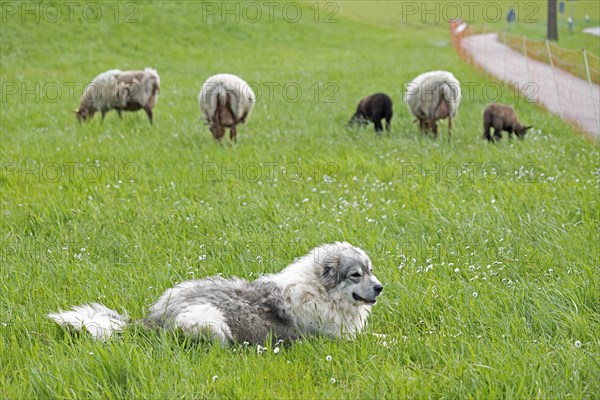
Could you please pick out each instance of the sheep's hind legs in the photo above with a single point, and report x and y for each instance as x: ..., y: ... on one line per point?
x: 217, y: 130
x: 424, y: 126
x: 233, y: 133
x: 434, y: 129
x: 148, y: 113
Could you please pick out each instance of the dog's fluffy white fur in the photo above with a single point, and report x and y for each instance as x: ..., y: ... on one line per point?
x: 327, y: 292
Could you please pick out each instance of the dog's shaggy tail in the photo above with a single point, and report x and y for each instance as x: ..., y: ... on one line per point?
x: 100, y: 321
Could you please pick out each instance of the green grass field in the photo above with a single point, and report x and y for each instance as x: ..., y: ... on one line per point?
x: 489, y: 253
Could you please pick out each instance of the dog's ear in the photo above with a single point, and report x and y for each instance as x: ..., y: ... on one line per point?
x: 328, y: 257
x: 330, y: 276
x: 330, y: 267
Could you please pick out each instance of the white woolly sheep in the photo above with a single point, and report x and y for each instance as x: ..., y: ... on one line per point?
x: 225, y: 100
x: 433, y: 96
x: 121, y: 91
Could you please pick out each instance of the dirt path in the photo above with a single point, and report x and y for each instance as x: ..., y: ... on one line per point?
x: 562, y: 93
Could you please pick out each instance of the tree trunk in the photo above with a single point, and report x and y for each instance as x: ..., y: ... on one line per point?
x: 552, y: 21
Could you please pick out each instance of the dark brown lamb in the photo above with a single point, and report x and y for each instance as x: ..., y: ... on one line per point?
x: 502, y: 118
x: 374, y: 108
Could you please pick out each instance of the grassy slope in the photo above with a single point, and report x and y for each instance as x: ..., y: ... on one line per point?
x: 487, y: 16
x: 532, y: 16
x: 491, y: 276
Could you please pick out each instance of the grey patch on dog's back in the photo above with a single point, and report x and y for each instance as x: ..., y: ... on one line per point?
x: 253, y: 310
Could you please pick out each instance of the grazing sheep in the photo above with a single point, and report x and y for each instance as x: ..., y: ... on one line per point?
x: 121, y: 91
x: 373, y: 108
x: 502, y: 118
x: 433, y: 96
x: 226, y: 100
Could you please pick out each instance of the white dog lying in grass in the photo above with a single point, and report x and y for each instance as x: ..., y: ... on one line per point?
x: 328, y: 292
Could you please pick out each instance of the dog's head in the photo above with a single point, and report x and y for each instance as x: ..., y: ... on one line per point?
x: 347, y: 274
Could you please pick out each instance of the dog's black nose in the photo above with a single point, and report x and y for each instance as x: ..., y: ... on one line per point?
x: 378, y: 288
